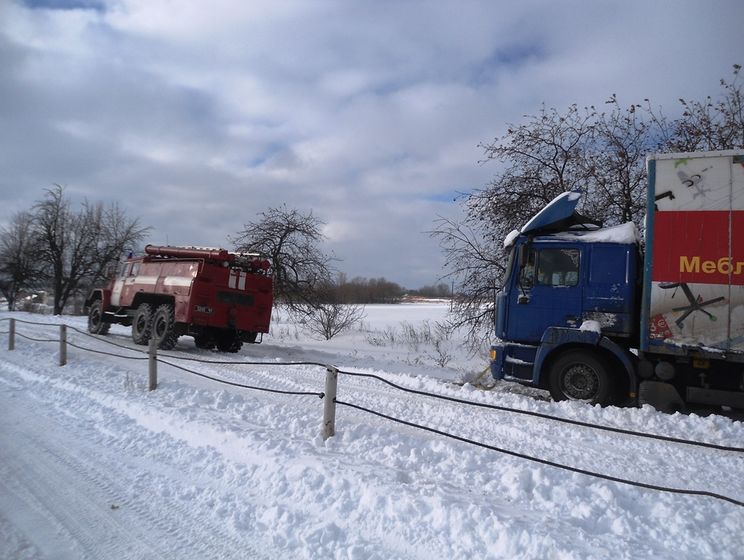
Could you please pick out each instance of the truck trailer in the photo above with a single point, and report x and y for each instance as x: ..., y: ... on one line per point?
x: 220, y: 298
x: 597, y: 315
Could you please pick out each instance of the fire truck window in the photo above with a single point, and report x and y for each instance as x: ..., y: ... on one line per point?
x: 558, y: 267
x: 527, y: 274
x: 124, y: 269
x: 135, y: 269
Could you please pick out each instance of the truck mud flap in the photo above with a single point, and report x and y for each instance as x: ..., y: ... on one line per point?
x: 662, y: 396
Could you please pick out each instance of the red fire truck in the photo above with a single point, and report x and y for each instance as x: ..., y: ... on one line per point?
x: 220, y: 298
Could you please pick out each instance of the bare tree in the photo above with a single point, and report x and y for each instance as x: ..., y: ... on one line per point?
x: 711, y: 124
x: 603, y: 153
x: 329, y: 319
x: 21, y: 267
x: 291, y: 240
x: 78, y: 246
x: 540, y: 159
x: 475, y: 264
x: 616, y: 163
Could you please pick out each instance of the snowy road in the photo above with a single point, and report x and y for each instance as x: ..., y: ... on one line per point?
x: 94, y: 466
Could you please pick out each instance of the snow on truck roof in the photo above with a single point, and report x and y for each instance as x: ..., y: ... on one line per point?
x: 559, y: 220
x: 623, y: 234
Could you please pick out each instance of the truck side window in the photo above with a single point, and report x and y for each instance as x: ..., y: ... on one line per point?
x: 558, y: 267
x: 135, y: 269
x: 527, y: 274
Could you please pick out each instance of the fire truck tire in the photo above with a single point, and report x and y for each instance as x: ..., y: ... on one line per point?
x: 96, y: 324
x: 164, y: 327
x: 205, y: 341
x: 580, y: 375
x: 142, y: 324
x: 229, y: 341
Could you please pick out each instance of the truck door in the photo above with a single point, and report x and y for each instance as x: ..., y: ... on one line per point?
x: 548, y: 293
x: 128, y: 289
x: 119, y: 283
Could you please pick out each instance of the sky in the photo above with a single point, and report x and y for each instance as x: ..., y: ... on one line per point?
x: 198, y: 116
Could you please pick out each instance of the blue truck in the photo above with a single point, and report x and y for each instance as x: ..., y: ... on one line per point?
x: 605, y: 316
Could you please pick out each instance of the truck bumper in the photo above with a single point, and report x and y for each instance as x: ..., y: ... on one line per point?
x: 514, y: 362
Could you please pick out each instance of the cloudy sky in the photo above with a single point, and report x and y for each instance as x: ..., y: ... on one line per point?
x: 196, y: 116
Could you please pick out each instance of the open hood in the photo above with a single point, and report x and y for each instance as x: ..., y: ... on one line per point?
x: 559, y: 215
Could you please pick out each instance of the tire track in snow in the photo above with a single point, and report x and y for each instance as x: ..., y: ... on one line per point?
x: 77, y: 518
x: 84, y: 513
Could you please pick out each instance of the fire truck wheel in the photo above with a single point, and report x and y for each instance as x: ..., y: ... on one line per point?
x: 142, y: 324
x: 579, y: 375
x: 205, y: 341
x: 164, y: 327
x: 229, y: 341
x: 96, y: 324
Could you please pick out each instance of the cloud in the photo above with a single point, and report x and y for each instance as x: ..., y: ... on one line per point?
x: 198, y: 116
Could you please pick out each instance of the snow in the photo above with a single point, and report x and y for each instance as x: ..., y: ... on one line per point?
x: 511, y: 238
x: 625, y: 234
x: 92, y: 465
x: 591, y: 326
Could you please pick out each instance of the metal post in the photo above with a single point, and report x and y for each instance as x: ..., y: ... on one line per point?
x: 62, y: 345
x: 11, y: 335
x: 153, y: 361
x: 329, y: 407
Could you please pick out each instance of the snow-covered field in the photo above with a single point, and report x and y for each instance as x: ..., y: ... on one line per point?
x: 92, y: 465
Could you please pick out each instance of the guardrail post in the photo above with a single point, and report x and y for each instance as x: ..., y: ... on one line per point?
x: 11, y: 335
x: 329, y: 406
x: 62, y: 345
x: 153, y: 362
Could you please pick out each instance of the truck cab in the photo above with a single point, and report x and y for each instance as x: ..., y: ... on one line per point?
x: 566, y: 316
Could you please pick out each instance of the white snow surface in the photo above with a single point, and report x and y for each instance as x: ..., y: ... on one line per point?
x: 625, y: 234
x: 591, y: 326
x: 511, y: 238
x: 92, y: 465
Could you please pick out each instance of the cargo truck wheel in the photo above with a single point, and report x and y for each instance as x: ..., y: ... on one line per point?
x: 142, y: 324
x: 229, y: 341
x: 579, y: 375
x: 96, y: 324
x: 164, y: 327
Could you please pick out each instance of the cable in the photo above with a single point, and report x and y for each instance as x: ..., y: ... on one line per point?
x: 37, y: 339
x: 107, y: 353
x: 545, y: 461
x: 550, y: 417
x: 242, y: 363
x: 106, y: 341
x: 303, y: 393
x: 30, y: 322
